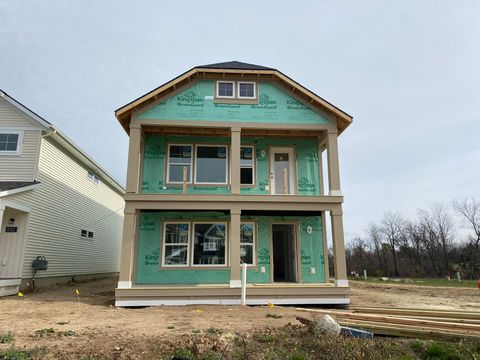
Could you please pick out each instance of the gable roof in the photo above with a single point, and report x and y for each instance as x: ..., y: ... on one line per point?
x: 63, y: 140
x: 233, y: 68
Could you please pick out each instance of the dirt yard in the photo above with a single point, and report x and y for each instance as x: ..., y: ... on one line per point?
x: 57, y: 325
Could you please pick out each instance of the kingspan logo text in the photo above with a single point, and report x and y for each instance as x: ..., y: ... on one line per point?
x: 190, y: 98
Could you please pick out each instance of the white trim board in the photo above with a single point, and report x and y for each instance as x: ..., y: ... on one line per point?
x: 265, y: 301
x: 19, y: 190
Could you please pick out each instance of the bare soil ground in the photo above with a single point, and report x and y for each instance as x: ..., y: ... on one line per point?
x: 56, y: 325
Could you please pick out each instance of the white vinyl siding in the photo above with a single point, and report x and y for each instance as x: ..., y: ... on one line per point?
x: 64, y: 203
x: 22, y: 166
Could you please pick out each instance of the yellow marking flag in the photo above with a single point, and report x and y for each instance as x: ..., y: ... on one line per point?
x: 20, y: 294
x: 77, y: 292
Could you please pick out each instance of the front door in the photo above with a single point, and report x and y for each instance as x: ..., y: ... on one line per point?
x: 12, y: 238
x: 282, y: 171
x: 284, y: 253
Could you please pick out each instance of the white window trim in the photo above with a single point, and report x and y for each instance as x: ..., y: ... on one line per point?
x: 226, y: 169
x: 191, y: 164
x: 164, y: 243
x: 19, y: 144
x: 217, y: 88
x: 226, y: 244
x: 254, y: 156
x: 253, y: 245
x: 254, y: 90
x: 96, y: 178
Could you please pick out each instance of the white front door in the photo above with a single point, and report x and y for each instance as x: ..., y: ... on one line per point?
x: 12, y: 241
x: 282, y: 171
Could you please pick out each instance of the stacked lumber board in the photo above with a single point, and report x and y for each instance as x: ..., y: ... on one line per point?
x: 429, y: 324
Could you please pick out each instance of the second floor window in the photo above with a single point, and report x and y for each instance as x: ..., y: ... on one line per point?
x: 9, y: 142
x: 179, y: 157
x: 93, y: 177
x: 211, y: 164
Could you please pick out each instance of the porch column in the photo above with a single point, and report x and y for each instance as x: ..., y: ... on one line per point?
x: 134, y: 155
x: 320, y: 143
x: 333, y: 167
x: 340, y: 263
x: 128, y: 249
x: 235, y: 160
x: 325, y: 246
x: 235, y: 281
x: 2, y: 210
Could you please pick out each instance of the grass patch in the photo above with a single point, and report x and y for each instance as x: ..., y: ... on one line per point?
x: 6, y: 338
x: 66, y: 333
x: 423, y: 282
x: 14, y: 354
x: 273, y: 316
x: 214, y: 331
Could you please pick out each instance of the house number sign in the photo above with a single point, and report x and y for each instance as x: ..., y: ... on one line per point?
x: 11, y: 229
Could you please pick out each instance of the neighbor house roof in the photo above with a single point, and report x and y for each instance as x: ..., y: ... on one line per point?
x: 11, y: 187
x: 64, y: 141
x: 233, y: 68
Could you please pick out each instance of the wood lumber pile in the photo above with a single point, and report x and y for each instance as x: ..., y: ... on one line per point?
x: 417, y: 323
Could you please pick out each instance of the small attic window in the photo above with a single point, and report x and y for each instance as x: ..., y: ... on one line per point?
x: 246, y: 90
x: 226, y: 89
x: 93, y: 177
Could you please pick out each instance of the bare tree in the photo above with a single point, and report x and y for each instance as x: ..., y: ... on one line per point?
x: 375, y: 239
x: 469, y: 209
x: 392, y: 227
x: 443, y: 223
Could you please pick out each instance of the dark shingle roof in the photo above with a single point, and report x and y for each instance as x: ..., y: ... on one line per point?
x: 10, y: 185
x: 235, y: 65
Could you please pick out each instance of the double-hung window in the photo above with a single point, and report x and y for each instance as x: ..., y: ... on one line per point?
x: 209, y: 244
x: 247, y: 243
x: 10, y: 142
x: 179, y: 156
x: 247, y: 176
x: 246, y: 90
x: 226, y: 89
x: 176, y: 239
x: 211, y: 164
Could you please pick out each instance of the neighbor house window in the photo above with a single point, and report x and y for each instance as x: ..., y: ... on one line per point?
x: 246, y: 90
x: 175, y: 244
x: 179, y: 156
x: 10, y: 142
x: 247, y: 243
x: 225, y: 89
x: 93, y: 177
x: 86, y: 234
x: 211, y: 164
x: 209, y: 244
x: 246, y: 165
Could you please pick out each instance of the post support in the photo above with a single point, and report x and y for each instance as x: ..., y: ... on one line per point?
x: 134, y: 156
x: 333, y: 165
x: 128, y: 249
x: 235, y: 281
x: 235, y: 159
x: 340, y: 263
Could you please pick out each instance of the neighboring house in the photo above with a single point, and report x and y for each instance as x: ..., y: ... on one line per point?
x: 225, y: 166
x: 55, y: 202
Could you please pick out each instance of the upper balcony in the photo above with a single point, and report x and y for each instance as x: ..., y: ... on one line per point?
x: 232, y: 164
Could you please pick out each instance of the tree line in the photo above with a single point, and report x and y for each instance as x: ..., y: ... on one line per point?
x: 427, y: 245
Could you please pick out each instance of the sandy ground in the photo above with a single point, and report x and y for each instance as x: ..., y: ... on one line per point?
x: 95, y: 326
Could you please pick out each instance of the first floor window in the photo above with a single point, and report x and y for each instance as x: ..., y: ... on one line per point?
x: 175, y: 240
x: 179, y: 157
x: 247, y: 246
x: 246, y: 165
x: 211, y: 164
x: 209, y: 243
x: 9, y: 142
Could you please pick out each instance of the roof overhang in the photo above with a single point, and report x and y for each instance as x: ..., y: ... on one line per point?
x: 19, y: 189
x: 124, y: 113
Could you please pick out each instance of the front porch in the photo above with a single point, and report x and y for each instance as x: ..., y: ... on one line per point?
x: 220, y: 294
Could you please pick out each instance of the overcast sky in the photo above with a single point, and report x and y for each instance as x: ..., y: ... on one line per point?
x: 408, y: 71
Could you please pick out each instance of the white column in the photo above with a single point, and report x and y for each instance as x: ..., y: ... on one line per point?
x: 333, y: 165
